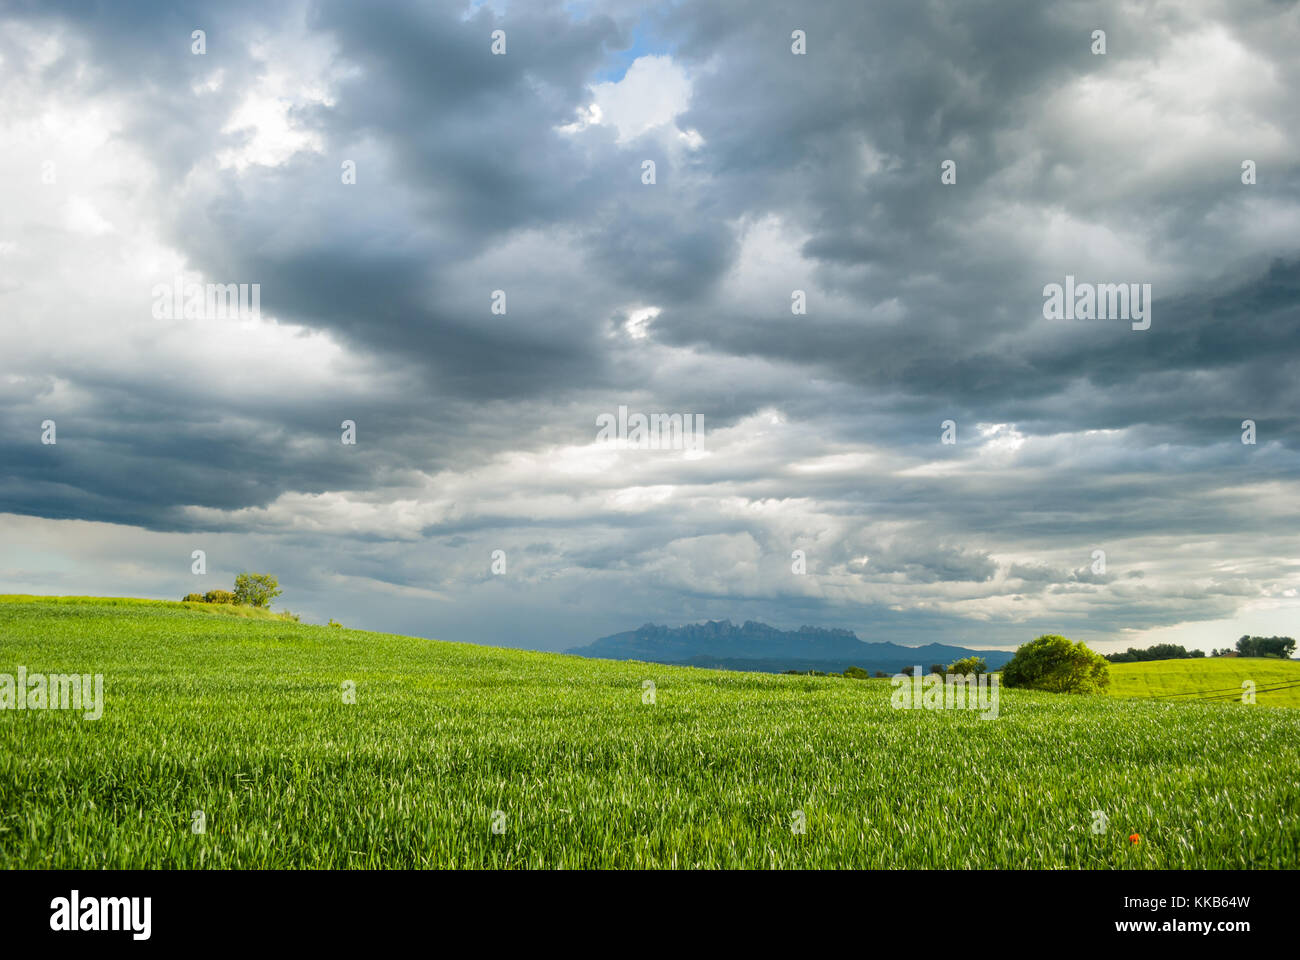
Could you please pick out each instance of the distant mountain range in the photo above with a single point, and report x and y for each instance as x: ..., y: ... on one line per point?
x: 756, y: 646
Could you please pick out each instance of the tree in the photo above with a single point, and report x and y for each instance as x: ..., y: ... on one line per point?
x: 218, y: 596
x: 1054, y: 663
x: 906, y: 671
x: 1281, y: 647
x: 967, y: 665
x: 256, y: 589
x: 1161, y: 651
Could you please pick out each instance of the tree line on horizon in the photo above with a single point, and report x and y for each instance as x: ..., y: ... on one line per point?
x: 1280, y: 648
x: 251, y: 590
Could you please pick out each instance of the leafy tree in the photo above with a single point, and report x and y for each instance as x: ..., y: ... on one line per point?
x: 856, y: 673
x: 906, y: 671
x: 1054, y: 663
x: 938, y: 668
x: 1281, y: 647
x: 193, y: 598
x: 218, y: 596
x: 881, y: 673
x: 967, y: 665
x: 256, y: 589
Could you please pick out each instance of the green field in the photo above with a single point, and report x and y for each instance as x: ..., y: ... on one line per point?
x: 1211, y: 680
x: 243, y: 719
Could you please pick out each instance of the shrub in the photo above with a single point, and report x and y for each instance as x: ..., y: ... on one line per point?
x: 256, y: 589
x: 856, y: 673
x: 193, y: 598
x: 218, y: 596
x: 334, y: 623
x: 967, y: 665
x: 1054, y: 663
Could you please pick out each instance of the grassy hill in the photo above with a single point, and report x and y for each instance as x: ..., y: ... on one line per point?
x: 242, y: 717
x: 1213, y: 679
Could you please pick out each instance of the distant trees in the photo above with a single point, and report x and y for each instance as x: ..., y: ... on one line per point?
x: 1054, y: 663
x: 939, y: 668
x: 967, y: 665
x: 1275, y: 647
x: 1280, y: 647
x: 1161, y: 651
x: 251, y: 590
x: 852, y: 673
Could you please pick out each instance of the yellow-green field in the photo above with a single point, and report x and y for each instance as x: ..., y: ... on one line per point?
x: 1212, y: 680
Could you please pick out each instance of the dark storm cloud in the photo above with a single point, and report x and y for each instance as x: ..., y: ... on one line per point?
x: 925, y: 301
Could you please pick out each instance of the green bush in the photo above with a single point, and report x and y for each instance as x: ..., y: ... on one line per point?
x: 966, y: 665
x: 193, y: 598
x: 256, y: 589
x: 218, y: 596
x: 1055, y: 664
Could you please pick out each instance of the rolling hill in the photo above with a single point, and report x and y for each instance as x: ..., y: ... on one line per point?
x: 301, y: 746
x: 1210, y: 679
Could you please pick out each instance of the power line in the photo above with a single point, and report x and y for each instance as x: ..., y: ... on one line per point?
x: 1231, y: 692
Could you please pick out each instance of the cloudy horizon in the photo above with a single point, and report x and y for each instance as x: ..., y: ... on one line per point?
x: 824, y: 232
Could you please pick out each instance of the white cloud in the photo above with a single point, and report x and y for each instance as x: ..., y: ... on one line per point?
x: 653, y: 92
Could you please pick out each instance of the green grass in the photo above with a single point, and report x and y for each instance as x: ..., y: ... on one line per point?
x: 1217, y: 679
x: 218, y: 609
x: 243, y: 719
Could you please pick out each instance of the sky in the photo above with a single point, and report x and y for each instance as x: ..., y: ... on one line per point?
x: 842, y: 261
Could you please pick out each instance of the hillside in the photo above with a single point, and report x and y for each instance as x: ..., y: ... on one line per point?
x: 759, y: 647
x: 1210, y: 679
x: 244, y: 719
